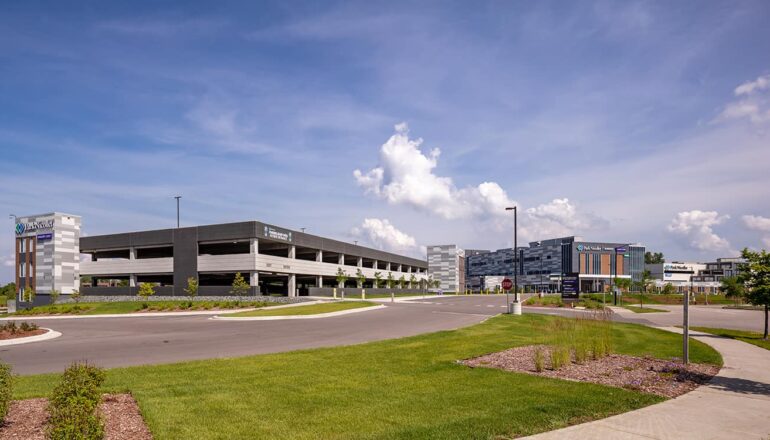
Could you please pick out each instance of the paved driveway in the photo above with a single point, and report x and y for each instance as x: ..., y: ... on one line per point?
x: 114, y: 342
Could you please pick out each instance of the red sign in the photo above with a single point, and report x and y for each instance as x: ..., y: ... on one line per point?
x: 507, y: 284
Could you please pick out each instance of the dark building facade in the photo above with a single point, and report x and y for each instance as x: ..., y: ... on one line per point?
x: 543, y: 264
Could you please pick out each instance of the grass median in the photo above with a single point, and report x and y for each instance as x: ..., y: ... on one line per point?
x: 121, y: 307
x: 310, y: 309
x: 402, y: 388
x: 753, y: 338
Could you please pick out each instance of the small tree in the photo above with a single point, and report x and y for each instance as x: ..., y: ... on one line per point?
x: 732, y: 288
x: 412, y: 281
x: 390, y: 280
x: 402, y: 282
x: 755, y: 277
x: 643, y: 284
x: 360, y: 278
x: 668, y: 289
x: 54, y: 296
x: 75, y: 295
x: 342, y: 277
x: 240, y: 287
x: 378, y: 279
x: 28, y: 295
x: 192, y: 288
x: 146, y: 290
x: 436, y: 283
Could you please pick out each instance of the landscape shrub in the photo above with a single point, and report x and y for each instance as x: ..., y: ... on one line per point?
x: 539, y: 360
x: 28, y: 326
x: 74, y: 404
x: 6, y: 389
x: 544, y: 301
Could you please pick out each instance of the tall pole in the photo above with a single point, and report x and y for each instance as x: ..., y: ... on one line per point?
x: 515, y: 260
x: 686, y: 327
x: 177, y: 210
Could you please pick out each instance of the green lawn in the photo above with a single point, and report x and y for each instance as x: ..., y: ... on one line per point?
x: 637, y: 309
x: 99, y: 308
x: 310, y: 309
x: 408, y: 388
x: 745, y: 336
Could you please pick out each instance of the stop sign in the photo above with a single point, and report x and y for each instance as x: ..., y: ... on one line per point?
x: 507, y: 284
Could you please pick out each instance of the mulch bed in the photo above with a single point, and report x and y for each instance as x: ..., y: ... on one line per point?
x: 648, y: 375
x: 8, y: 335
x: 26, y: 419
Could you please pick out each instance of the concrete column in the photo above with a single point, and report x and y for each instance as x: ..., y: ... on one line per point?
x: 320, y: 281
x: 408, y: 269
x: 132, y: 253
x: 360, y: 262
x: 374, y: 265
x: 254, y: 278
x: 319, y: 256
x: 254, y: 246
x: 292, y: 251
x: 132, y: 280
x: 387, y: 266
x: 341, y: 260
x: 340, y: 285
x: 292, y: 285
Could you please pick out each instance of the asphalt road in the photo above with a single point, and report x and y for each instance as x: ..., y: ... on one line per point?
x: 114, y: 342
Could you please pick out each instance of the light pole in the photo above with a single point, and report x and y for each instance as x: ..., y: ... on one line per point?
x: 177, y: 210
x: 516, y: 304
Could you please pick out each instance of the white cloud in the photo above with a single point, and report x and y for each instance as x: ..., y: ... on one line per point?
x: 383, y: 235
x: 9, y: 261
x: 406, y: 176
x: 749, y: 87
x: 557, y: 218
x: 759, y: 223
x: 697, y: 227
x: 752, y: 102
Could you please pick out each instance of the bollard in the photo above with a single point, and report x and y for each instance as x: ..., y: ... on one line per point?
x: 392, y: 297
x: 334, y: 291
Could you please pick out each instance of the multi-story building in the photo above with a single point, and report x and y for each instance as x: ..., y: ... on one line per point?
x: 47, y: 252
x: 542, y: 265
x: 272, y: 259
x: 446, y: 264
x: 698, y: 277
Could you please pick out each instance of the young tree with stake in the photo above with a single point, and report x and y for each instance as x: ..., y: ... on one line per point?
x: 755, y: 277
x: 240, y: 287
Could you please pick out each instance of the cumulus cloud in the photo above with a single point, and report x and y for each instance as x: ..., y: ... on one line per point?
x: 406, y: 176
x: 383, y: 235
x: 749, y: 87
x: 557, y: 218
x: 697, y: 227
x: 759, y: 223
x: 753, y: 102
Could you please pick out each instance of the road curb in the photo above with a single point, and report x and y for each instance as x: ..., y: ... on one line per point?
x: 49, y: 334
x: 284, y: 317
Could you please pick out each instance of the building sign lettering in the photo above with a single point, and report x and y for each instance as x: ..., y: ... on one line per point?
x: 22, y: 228
x: 276, y: 234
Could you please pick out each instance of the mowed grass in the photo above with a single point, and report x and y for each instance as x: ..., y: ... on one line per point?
x: 410, y: 388
x: 753, y: 338
x: 310, y: 309
x: 99, y: 308
x: 637, y: 309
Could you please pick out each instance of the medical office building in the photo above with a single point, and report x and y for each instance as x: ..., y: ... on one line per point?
x: 273, y: 260
x: 544, y: 265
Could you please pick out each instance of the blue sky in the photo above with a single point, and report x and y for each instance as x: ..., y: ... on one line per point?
x: 650, y: 118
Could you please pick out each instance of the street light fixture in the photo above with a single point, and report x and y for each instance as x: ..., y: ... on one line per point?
x: 517, y: 307
x: 177, y: 210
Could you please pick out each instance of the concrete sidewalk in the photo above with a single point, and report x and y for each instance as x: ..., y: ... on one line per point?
x: 734, y: 405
